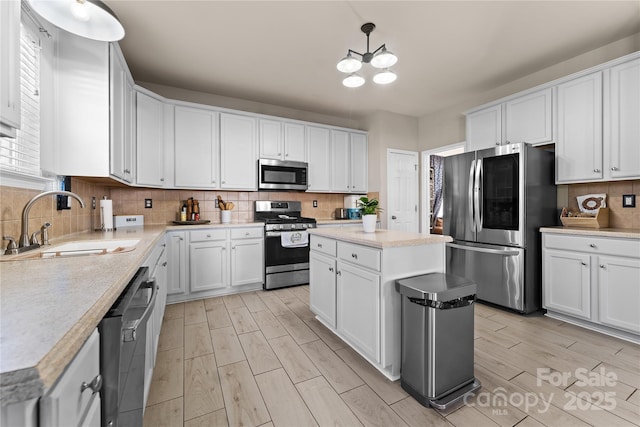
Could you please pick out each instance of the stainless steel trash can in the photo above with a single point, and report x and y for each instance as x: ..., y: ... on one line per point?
x: 437, y: 338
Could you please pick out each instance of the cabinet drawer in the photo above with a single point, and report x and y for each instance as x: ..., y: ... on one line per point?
x: 208, y: 235
x: 594, y: 245
x: 323, y: 245
x: 247, y: 233
x: 66, y: 403
x: 360, y: 255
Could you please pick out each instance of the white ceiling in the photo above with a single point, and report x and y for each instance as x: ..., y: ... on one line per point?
x: 285, y: 52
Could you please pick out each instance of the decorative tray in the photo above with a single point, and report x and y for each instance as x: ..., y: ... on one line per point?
x: 200, y: 221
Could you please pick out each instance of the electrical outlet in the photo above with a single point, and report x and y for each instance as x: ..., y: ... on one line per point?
x: 93, y: 202
x: 217, y: 203
x: 315, y: 203
x: 148, y: 203
x: 628, y: 200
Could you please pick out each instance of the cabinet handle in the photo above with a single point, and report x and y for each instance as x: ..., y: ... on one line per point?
x: 180, y: 238
x: 602, y: 266
x: 127, y: 171
x: 592, y: 245
x: 497, y: 143
x: 596, y: 170
x: 331, y: 269
x: 614, y: 168
x: 354, y: 256
x: 95, y: 385
x: 583, y: 263
x: 208, y: 236
x: 233, y: 247
x: 213, y: 182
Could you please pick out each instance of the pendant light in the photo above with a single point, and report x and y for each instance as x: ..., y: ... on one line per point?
x: 380, y: 58
x: 86, y: 18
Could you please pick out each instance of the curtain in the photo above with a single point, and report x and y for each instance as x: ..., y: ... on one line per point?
x: 436, y: 164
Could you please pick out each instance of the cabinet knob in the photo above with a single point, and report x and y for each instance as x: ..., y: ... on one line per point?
x: 164, y: 264
x: 180, y: 238
x: 233, y: 247
x: 339, y: 273
x: 354, y: 256
x: 286, y: 155
x: 593, y: 245
x: 330, y: 268
x: 583, y: 263
x: 320, y: 245
x: 596, y: 170
x: 127, y: 171
x: 208, y: 236
x: 602, y: 266
x: 497, y: 143
x: 161, y: 179
x: 224, y: 248
x: 95, y: 385
x: 213, y: 182
x: 279, y: 154
x: 614, y: 168
x: 224, y: 182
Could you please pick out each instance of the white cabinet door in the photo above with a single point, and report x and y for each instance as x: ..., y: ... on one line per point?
x: 359, y: 288
x: 567, y: 283
x: 149, y: 141
x: 196, y: 148
x: 238, y: 152
x: 484, y: 128
x: 176, y: 263
x: 623, y: 120
x: 322, y: 287
x: 579, y: 141
x: 295, y: 146
x: 619, y: 292
x: 528, y: 118
x: 340, y: 162
x: 320, y: 167
x: 9, y: 67
x: 208, y: 265
x: 359, y: 163
x: 270, y: 139
x: 246, y: 265
x: 121, y: 100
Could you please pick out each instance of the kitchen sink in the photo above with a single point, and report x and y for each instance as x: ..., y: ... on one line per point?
x: 80, y: 248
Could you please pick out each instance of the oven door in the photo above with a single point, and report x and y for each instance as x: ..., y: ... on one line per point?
x: 284, y: 266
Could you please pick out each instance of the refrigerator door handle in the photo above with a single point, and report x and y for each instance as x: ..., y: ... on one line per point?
x: 505, y: 252
x: 470, y: 198
x: 477, y: 195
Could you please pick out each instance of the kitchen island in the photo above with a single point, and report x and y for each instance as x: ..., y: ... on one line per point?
x: 352, y: 285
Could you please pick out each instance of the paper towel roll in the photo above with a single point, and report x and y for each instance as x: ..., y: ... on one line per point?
x: 106, y: 214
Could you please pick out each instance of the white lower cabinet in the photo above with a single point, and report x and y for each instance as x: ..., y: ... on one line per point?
x: 218, y: 261
x: 594, y: 281
x: 177, y: 263
x: 357, y: 287
x: 322, y: 296
x: 72, y: 401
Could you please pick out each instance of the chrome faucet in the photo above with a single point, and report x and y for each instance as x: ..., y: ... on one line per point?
x: 24, y: 231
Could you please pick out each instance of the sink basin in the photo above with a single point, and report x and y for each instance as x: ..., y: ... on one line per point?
x: 82, y: 248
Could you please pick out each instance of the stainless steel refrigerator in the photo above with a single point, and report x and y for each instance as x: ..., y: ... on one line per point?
x: 495, y: 201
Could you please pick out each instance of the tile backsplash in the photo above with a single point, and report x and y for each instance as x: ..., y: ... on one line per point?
x: 130, y: 201
x: 619, y: 217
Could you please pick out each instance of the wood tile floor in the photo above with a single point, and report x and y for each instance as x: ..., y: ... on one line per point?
x: 261, y: 358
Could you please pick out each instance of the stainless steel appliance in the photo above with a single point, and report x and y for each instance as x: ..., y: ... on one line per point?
x: 282, y: 175
x: 123, y: 342
x: 495, y: 200
x: 286, y: 254
x: 342, y: 213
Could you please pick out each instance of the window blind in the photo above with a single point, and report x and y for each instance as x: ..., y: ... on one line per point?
x: 22, y: 153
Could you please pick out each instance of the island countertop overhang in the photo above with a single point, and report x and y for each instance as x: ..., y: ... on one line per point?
x: 381, y: 239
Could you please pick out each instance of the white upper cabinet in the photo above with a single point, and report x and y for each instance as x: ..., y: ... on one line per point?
x: 340, y: 161
x: 526, y: 118
x: 196, y: 158
x: 282, y: 140
x: 320, y: 166
x: 579, y: 145
x: 622, y: 121
x: 150, y: 141
x: 359, y: 163
x: 9, y: 67
x: 484, y: 128
x: 122, y: 103
x: 238, y: 149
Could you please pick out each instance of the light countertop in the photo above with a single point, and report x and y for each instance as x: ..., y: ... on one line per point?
x: 49, y: 307
x: 623, y: 233
x: 331, y: 221
x: 381, y: 238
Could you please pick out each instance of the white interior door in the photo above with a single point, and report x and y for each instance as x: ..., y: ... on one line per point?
x: 402, y: 190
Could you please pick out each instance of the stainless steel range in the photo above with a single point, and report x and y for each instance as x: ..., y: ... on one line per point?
x: 286, y: 255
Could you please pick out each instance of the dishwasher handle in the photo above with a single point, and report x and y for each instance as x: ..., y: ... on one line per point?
x: 129, y: 328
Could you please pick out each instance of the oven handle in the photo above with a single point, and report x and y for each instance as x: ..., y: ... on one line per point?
x: 277, y: 233
x: 129, y: 329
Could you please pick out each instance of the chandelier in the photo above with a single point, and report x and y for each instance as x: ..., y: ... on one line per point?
x: 380, y: 58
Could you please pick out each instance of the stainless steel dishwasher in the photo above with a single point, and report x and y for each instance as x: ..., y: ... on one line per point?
x: 123, y: 333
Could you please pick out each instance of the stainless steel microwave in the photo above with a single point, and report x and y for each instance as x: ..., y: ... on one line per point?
x: 282, y: 175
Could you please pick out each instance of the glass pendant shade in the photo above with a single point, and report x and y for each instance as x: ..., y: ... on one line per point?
x: 87, y: 18
x: 353, y: 80
x: 385, y: 77
x: 349, y: 64
x: 384, y: 59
